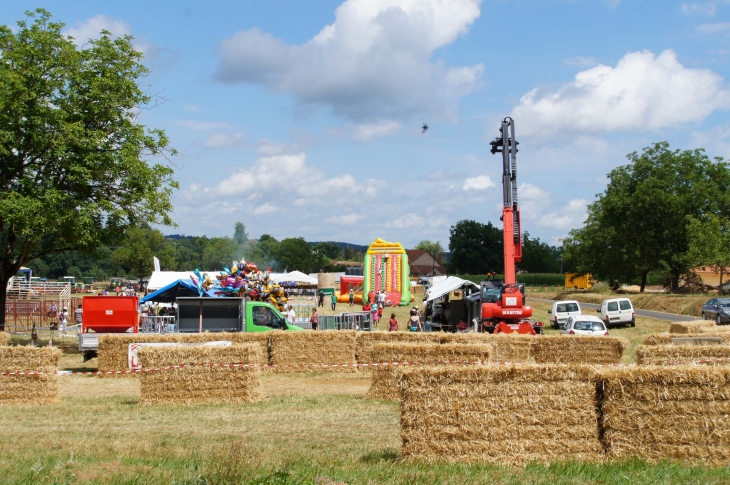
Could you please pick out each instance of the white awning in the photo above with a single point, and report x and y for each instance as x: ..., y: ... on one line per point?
x: 447, y: 286
x: 294, y: 277
x: 161, y: 279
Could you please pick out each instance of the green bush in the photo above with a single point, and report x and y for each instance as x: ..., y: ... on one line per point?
x: 529, y: 279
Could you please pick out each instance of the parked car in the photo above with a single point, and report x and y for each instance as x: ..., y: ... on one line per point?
x: 717, y: 309
x: 617, y: 311
x: 585, y: 325
x: 561, y: 311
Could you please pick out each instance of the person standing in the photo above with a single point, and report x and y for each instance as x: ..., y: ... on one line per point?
x: 352, y: 297
x: 382, y: 298
x: 321, y: 299
x: 393, y: 323
x: 291, y: 315
x: 314, y: 320
x: 78, y: 316
x: 63, y: 321
x: 333, y: 299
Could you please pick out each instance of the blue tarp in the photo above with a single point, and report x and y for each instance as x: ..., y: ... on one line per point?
x: 169, y: 293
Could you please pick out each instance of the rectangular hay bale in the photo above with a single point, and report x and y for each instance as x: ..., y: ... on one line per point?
x: 578, y: 349
x: 4, y: 338
x: 444, y: 416
x: 293, y: 352
x: 366, y: 340
x: 667, y: 412
x: 692, y: 326
x: 666, y: 338
x: 685, y: 354
x: 29, y: 389
x: 201, y: 383
x: 506, y: 348
x: 384, y: 384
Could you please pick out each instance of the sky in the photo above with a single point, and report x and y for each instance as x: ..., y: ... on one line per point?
x: 303, y: 119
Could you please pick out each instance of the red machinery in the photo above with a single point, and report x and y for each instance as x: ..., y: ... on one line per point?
x: 503, y: 308
x: 110, y: 314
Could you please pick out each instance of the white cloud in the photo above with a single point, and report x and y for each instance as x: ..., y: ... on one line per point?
x: 224, y: 140
x: 705, y: 8
x: 643, y: 92
x: 373, y: 63
x: 612, y: 3
x: 580, y: 61
x: 371, y: 130
x: 479, y: 182
x: 407, y: 221
x: 265, y: 209
x: 192, y: 107
x: 713, y: 28
x: 345, y: 219
x: 202, y: 125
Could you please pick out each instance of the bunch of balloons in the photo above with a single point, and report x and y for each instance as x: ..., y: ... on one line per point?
x: 243, y: 280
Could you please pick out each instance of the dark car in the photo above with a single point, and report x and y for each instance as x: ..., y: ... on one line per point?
x: 717, y: 309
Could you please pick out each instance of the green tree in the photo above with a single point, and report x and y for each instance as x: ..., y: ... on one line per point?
x: 639, y: 223
x: 221, y: 251
x: 74, y: 158
x: 239, y: 233
x: 538, y: 256
x: 328, y: 249
x: 433, y: 248
x: 709, y: 243
x: 294, y: 254
x: 138, y: 248
x: 476, y: 248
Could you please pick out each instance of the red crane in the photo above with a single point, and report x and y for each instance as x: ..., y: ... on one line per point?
x: 503, y: 308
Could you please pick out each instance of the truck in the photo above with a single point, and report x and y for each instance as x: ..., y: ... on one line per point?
x: 105, y: 315
x: 503, y: 307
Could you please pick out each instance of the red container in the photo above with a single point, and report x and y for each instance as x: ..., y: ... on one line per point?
x: 110, y: 314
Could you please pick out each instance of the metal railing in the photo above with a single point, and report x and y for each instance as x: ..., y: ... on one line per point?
x: 21, y: 314
x: 158, y: 324
x: 346, y: 321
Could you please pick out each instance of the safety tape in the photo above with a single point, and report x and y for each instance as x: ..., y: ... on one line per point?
x: 316, y: 366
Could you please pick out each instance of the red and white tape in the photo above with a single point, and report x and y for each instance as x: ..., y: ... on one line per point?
x: 315, y: 366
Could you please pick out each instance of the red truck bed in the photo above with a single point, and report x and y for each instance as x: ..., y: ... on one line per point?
x: 110, y: 314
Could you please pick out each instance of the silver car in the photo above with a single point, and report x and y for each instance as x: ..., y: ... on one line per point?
x: 717, y: 309
x: 585, y: 325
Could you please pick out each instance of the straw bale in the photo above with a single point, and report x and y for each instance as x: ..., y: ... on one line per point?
x: 4, y: 338
x: 693, y: 326
x: 31, y: 389
x: 113, y: 349
x: 578, y: 349
x: 385, y: 379
x: 659, y: 412
x: 719, y: 329
x: 198, y: 384
x: 673, y: 354
x: 549, y: 413
x: 292, y: 349
x: 366, y: 340
x: 666, y: 338
x: 507, y: 348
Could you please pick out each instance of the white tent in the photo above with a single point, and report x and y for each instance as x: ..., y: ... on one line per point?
x: 447, y: 286
x: 294, y: 277
x: 160, y: 279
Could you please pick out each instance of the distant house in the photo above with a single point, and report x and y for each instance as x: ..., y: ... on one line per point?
x: 710, y: 275
x: 423, y: 264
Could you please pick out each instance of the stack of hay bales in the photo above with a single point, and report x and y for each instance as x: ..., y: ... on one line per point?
x: 693, y: 326
x: 511, y: 414
x: 201, y: 383
x: 113, y: 353
x: 296, y: 351
x: 658, y: 413
x: 684, y: 354
x: 666, y: 338
x: 29, y: 389
x: 507, y: 348
x: 366, y: 340
x: 4, y: 338
x: 385, y: 379
x: 578, y: 349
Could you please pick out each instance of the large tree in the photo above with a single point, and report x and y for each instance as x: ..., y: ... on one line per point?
x: 709, y: 244
x: 476, y: 248
x: 74, y: 169
x: 639, y: 223
x: 433, y: 248
x: 538, y: 256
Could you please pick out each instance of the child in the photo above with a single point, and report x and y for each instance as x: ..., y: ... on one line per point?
x: 380, y: 312
x: 393, y: 323
x: 314, y: 319
x: 375, y: 316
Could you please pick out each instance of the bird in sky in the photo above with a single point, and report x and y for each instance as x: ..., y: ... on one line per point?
x: 424, y: 127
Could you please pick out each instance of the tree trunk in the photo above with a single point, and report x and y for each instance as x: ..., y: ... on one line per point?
x: 643, y: 281
x: 675, y: 280
x: 3, y: 298
x: 722, y: 292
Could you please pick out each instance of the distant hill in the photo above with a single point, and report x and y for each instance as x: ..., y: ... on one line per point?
x: 343, y: 245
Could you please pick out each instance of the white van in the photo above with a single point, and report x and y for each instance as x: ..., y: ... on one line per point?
x: 561, y: 311
x: 617, y: 311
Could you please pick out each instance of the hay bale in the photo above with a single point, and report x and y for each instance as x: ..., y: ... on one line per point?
x: 510, y: 414
x: 366, y: 340
x: 4, y: 338
x: 666, y: 338
x: 31, y: 389
x: 720, y: 329
x: 693, y: 326
x: 385, y: 379
x: 658, y: 413
x: 685, y: 354
x: 507, y: 348
x: 114, y: 349
x: 578, y: 349
x: 295, y: 351
x: 201, y: 383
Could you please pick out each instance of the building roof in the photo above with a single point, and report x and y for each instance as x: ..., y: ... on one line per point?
x: 427, y: 269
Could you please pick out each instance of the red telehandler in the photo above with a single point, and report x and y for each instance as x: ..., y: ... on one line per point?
x: 503, y: 308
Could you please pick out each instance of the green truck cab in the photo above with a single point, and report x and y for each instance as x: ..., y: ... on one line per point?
x: 229, y: 315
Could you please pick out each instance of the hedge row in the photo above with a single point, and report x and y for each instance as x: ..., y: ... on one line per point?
x: 530, y: 279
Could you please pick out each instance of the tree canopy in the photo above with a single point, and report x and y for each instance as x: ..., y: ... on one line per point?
x: 74, y: 157
x: 433, y: 248
x: 639, y: 223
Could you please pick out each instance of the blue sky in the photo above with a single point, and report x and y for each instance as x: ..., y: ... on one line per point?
x: 303, y: 118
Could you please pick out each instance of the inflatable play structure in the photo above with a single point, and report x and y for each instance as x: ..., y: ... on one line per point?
x: 386, y: 269
x: 347, y: 283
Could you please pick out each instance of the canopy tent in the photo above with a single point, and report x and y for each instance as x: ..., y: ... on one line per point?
x: 294, y: 277
x: 447, y: 286
x: 160, y: 279
x: 169, y: 293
